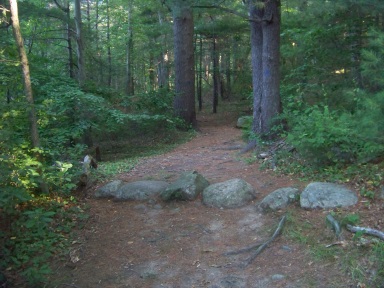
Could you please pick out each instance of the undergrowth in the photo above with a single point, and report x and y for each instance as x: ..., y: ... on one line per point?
x: 361, y: 258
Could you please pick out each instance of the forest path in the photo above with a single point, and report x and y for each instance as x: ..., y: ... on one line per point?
x: 181, y: 244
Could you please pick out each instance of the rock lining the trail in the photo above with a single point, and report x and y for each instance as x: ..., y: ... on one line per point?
x: 139, y: 190
x: 187, y: 187
x: 229, y: 194
x: 232, y: 193
x: 279, y: 199
x: 326, y: 195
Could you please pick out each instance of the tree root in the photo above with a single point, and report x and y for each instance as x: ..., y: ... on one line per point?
x: 366, y: 230
x: 335, y: 225
x: 260, y: 248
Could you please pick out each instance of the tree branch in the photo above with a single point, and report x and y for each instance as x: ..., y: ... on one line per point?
x: 366, y: 230
x: 260, y: 248
x: 231, y: 11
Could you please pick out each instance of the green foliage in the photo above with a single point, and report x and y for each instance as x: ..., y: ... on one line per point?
x: 39, y: 231
x: 154, y: 102
x: 351, y: 219
x: 326, y: 137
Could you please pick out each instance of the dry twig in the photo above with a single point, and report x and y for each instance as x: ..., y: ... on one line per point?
x: 261, y: 247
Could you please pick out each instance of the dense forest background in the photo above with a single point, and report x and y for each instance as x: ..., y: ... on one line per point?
x: 115, y: 69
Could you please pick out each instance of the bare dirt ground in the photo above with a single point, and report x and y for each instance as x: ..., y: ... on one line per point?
x: 182, y: 244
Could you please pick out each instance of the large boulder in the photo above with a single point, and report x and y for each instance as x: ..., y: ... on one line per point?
x: 326, y: 195
x: 140, y: 190
x: 109, y: 190
x: 279, y: 199
x: 229, y: 194
x: 187, y: 187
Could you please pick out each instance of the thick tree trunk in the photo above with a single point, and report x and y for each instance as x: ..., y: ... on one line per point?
x: 257, y: 67
x: 271, y: 103
x: 27, y: 85
x: 265, y: 43
x: 184, y: 102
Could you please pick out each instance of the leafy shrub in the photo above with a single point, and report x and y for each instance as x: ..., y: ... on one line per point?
x: 325, y: 137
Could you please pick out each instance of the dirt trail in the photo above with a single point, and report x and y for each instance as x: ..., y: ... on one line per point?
x: 181, y: 244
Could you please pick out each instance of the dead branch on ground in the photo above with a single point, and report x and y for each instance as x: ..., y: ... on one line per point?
x: 335, y: 225
x: 366, y: 230
x: 260, y: 248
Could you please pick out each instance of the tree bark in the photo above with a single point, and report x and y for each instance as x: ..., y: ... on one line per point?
x: 265, y: 45
x: 109, y: 47
x: 257, y: 67
x: 216, y: 76
x: 270, y: 103
x: 27, y: 85
x: 184, y: 101
x: 80, y: 44
x: 129, y: 88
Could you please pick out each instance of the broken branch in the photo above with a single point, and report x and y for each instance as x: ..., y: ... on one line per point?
x: 261, y: 247
x: 335, y: 225
x: 365, y: 230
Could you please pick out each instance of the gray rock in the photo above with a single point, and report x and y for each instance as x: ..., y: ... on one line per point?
x: 109, y: 190
x: 229, y: 194
x: 140, y: 190
x: 381, y: 193
x: 326, y: 195
x: 244, y: 122
x: 279, y: 199
x: 187, y: 187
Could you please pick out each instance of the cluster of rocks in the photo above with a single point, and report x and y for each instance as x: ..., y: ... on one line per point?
x: 232, y: 193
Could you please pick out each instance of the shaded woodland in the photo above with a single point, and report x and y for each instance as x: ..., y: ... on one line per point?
x: 75, y: 74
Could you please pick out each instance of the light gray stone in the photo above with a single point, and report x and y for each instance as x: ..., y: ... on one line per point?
x: 187, y: 187
x: 279, y: 199
x: 109, y: 190
x: 140, y: 190
x: 326, y: 195
x: 229, y: 194
x: 244, y: 122
x: 381, y: 193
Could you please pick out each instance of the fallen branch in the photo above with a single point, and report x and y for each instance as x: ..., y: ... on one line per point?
x: 335, y: 225
x: 366, y: 230
x: 261, y: 247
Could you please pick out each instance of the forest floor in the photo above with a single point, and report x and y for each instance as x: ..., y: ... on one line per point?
x: 182, y: 244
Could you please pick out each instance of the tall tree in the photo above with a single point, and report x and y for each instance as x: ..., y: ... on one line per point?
x: 129, y: 88
x: 184, y: 101
x: 80, y: 43
x: 27, y: 83
x: 265, y: 45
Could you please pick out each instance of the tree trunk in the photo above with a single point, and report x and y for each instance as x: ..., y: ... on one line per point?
x: 265, y: 44
x: 80, y: 43
x: 270, y: 103
x: 215, y: 68
x: 257, y: 67
x: 109, y: 48
x: 69, y: 41
x: 184, y: 101
x: 27, y: 85
x: 129, y: 89
x: 200, y: 74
